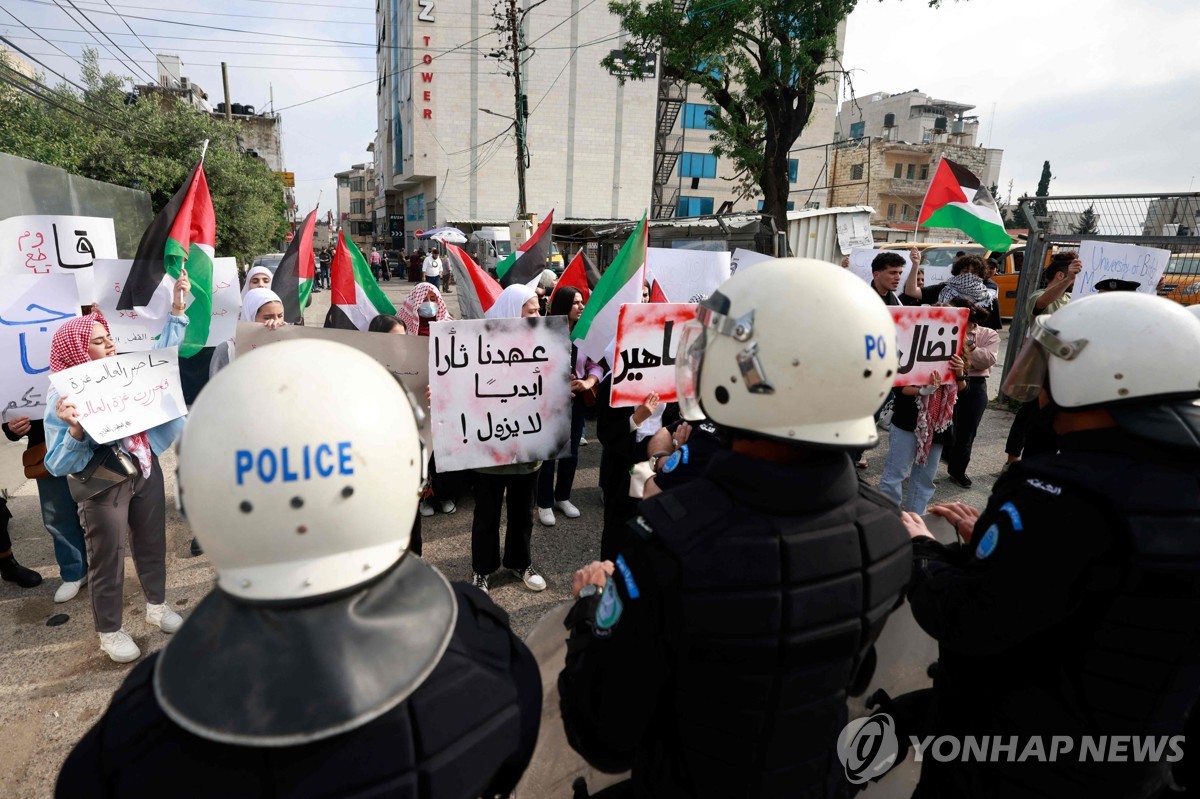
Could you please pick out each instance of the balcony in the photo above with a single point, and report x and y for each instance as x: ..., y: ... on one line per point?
x: 903, y: 187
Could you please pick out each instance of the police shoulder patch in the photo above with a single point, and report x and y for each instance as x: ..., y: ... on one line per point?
x: 631, y: 586
x: 987, y: 544
x: 1042, y: 486
x: 608, y: 612
x: 1014, y: 516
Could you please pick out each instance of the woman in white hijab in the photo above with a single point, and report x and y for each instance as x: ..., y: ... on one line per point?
x: 259, y: 305
x: 259, y: 277
x: 516, y: 480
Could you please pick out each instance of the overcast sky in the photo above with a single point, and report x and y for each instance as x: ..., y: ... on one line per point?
x: 1106, y: 90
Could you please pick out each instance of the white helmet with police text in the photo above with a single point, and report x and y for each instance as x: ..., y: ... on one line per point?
x: 1117, y: 348
x: 795, y: 349
x: 292, y: 506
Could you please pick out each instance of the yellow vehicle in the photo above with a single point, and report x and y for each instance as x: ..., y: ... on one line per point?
x: 944, y: 253
x: 554, y: 260
x: 1181, y: 280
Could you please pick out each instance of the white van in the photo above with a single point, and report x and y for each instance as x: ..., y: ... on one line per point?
x: 489, y: 245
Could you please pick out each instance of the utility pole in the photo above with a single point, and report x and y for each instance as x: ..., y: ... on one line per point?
x: 521, y: 113
x: 225, y: 80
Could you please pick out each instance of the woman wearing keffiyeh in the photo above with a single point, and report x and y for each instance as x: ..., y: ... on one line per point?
x: 138, y: 504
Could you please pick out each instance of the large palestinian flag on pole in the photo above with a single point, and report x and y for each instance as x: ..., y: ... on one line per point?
x: 475, y: 288
x: 956, y: 199
x: 357, y: 298
x: 527, y: 262
x: 580, y: 273
x: 293, y: 278
x: 183, y: 235
x: 596, y: 331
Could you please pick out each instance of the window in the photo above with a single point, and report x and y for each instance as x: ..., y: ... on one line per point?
x: 904, y: 213
x: 899, y: 173
x: 856, y: 171
x: 891, y: 210
x: 791, y: 206
x: 696, y: 116
x: 358, y: 206
x: 343, y: 182
x: 364, y: 228
x: 358, y: 184
x: 694, y: 206
x: 858, y: 129
x: 793, y: 168
x: 697, y: 165
x: 812, y: 205
x: 912, y: 171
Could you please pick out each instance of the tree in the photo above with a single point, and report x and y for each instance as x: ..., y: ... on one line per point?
x: 1043, y: 190
x: 995, y: 192
x: 1018, y: 219
x: 759, y: 62
x: 99, y: 132
x: 1088, y: 223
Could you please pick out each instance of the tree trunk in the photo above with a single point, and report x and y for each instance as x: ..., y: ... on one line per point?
x: 774, y: 180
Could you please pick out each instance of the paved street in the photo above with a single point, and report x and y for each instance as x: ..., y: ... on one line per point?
x: 56, y: 681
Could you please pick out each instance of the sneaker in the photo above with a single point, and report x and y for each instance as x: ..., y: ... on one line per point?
x: 480, y: 581
x: 583, y: 441
x: 426, y: 508
x: 67, y: 591
x: 961, y: 479
x: 197, y: 550
x: 533, y: 581
x: 569, y: 510
x: 163, y: 617
x: 861, y: 463
x: 14, y: 572
x: 546, y: 516
x: 119, y: 646
x: 449, y: 507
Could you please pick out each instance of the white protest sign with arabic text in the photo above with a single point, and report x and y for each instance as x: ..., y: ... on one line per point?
x: 125, y: 394
x: 500, y: 391
x: 927, y: 337
x: 862, y: 257
x: 647, y: 345
x: 743, y: 259
x: 1103, y: 260
x: 54, y: 244
x: 687, y: 275
x: 32, y: 308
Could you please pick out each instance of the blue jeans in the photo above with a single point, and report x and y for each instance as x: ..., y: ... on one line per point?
x: 547, y: 492
x: 901, y: 460
x: 61, y: 518
x: 435, y: 281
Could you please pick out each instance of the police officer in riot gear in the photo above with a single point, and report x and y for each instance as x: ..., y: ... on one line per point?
x: 328, y: 661
x: 713, y: 657
x: 1073, y: 610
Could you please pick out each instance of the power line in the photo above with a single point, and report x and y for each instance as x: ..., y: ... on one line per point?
x: 106, y: 36
x: 206, y: 50
x: 222, y: 14
x: 239, y: 66
x: 82, y: 27
x: 131, y: 30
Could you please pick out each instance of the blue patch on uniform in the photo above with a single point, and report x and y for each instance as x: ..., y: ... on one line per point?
x: 987, y: 544
x: 1013, y: 514
x: 627, y: 575
x: 675, y: 458
x: 608, y: 611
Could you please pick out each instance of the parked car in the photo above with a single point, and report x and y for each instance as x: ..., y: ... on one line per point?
x: 1181, y: 279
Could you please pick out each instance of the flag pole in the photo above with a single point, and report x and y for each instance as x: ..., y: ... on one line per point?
x: 921, y: 210
x: 203, y: 149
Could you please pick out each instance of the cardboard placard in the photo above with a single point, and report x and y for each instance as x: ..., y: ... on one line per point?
x: 45, y: 244
x: 1103, y: 260
x: 687, y: 275
x: 927, y: 337
x: 647, y: 346
x: 126, y: 394
x: 32, y: 308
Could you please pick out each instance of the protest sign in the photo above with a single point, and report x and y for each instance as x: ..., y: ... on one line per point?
x: 500, y: 391
x: 1103, y: 259
x: 927, y: 337
x: 406, y: 357
x: 125, y: 394
x: 32, y: 308
x: 647, y: 345
x: 853, y: 230
x: 687, y: 275
x: 743, y: 259
x: 132, y: 331
x: 939, y: 274
x: 860, y: 264
x: 53, y: 244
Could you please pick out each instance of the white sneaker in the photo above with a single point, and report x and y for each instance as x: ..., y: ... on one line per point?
x: 449, y: 507
x: 546, y: 516
x: 119, y: 646
x: 533, y: 581
x: 569, y: 510
x: 480, y: 581
x: 426, y: 509
x: 67, y: 591
x: 163, y: 617
x: 582, y: 441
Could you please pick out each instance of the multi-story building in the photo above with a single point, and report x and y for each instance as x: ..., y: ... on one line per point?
x: 17, y: 63
x: 912, y: 116
x: 356, y: 204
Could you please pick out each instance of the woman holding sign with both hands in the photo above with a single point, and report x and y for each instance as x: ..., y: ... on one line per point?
x: 137, y: 504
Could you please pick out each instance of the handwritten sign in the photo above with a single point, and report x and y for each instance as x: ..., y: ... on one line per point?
x: 862, y: 257
x: 744, y: 259
x: 125, y: 394
x: 1102, y: 260
x: 927, y: 337
x: 853, y: 230
x: 32, y: 308
x: 51, y: 244
x: 500, y: 391
x: 647, y: 343
x: 132, y: 331
x: 687, y: 275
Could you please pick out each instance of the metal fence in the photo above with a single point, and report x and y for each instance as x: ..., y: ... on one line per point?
x: 1165, y: 221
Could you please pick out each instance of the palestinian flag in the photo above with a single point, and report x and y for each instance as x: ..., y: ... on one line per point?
x: 957, y: 199
x: 529, y: 260
x: 580, y: 273
x: 357, y: 298
x: 475, y: 288
x: 293, y: 279
x: 184, y: 234
x: 596, y: 330
x: 656, y: 292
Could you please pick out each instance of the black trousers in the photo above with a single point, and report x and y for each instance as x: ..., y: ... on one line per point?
x: 490, y: 490
x: 1030, y: 433
x: 5, y: 515
x: 968, y: 411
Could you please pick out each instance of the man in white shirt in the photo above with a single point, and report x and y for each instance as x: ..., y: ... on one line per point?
x: 432, y: 267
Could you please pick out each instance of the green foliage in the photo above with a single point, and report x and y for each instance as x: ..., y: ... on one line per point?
x: 1088, y: 223
x: 149, y: 145
x: 1043, y: 190
x: 1018, y: 219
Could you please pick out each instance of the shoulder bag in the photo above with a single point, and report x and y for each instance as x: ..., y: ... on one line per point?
x: 108, y: 468
x: 34, y: 461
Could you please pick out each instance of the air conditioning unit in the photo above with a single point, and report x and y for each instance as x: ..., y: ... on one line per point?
x: 185, y: 84
x: 958, y: 126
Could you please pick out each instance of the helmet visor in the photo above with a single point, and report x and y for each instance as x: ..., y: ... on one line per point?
x: 687, y: 370
x: 1027, y: 377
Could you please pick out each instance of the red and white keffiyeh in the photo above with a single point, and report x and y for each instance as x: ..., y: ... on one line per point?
x: 422, y: 292
x: 935, y: 413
